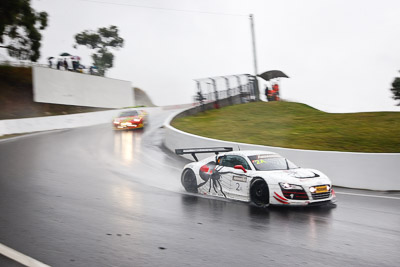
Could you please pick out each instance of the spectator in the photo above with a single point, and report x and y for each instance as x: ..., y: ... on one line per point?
x: 58, y: 64
x: 50, y: 63
x: 65, y: 64
x: 275, y: 92
x: 78, y: 65
x: 267, y: 93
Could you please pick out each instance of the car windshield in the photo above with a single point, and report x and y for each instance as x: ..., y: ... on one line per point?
x: 129, y: 113
x: 271, y: 163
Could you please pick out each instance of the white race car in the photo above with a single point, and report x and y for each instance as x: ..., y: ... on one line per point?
x: 260, y: 177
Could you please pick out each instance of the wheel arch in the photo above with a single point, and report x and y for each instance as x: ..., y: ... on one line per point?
x: 256, y: 178
x: 192, y: 185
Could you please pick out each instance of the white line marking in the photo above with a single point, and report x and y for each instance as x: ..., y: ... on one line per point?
x: 364, y: 195
x: 19, y: 257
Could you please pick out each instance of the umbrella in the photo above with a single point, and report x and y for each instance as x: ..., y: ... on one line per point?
x: 272, y: 74
x: 65, y: 54
x: 50, y: 58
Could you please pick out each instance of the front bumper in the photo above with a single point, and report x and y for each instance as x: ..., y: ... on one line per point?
x: 128, y: 127
x: 310, y: 199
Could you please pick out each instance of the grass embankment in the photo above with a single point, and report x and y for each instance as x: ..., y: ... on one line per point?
x: 294, y: 125
x: 16, y: 97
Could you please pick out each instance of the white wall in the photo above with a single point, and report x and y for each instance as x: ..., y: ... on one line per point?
x: 375, y: 171
x: 71, y: 88
x: 59, y: 122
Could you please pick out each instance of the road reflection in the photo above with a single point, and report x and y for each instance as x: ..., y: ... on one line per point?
x: 313, y: 224
x: 127, y: 144
x: 126, y: 198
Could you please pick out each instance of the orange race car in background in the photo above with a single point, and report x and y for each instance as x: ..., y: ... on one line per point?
x: 130, y: 119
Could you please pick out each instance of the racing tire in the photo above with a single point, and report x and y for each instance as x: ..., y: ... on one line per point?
x: 189, y: 181
x: 259, y: 193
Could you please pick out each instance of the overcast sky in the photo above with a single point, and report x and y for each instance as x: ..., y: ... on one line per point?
x: 341, y: 55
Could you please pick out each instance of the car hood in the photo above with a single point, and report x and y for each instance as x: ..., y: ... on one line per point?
x: 124, y: 119
x: 298, y: 176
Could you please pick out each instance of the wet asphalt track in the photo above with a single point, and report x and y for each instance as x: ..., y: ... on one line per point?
x: 95, y: 197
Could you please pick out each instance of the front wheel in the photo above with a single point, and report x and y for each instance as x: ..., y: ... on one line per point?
x: 259, y: 193
x: 189, y: 181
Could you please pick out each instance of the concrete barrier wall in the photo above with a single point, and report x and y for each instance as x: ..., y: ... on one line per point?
x: 71, y: 88
x: 59, y: 122
x: 374, y: 171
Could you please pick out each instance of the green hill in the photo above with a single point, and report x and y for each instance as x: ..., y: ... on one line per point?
x: 295, y: 125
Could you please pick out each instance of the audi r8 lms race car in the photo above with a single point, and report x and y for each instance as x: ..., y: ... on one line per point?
x: 261, y: 177
x: 131, y: 119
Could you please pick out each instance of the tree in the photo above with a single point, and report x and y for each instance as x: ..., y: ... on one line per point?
x: 100, y: 41
x: 19, y: 29
x: 396, y: 89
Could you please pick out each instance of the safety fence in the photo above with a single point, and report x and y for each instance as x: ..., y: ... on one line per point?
x: 244, y: 90
x: 213, y: 89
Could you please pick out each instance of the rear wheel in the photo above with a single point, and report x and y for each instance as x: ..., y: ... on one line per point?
x: 259, y: 192
x: 189, y: 181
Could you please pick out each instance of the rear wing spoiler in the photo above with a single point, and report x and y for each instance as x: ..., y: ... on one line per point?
x: 194, y: 151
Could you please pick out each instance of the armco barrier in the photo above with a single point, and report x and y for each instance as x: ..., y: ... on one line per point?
x: 374, y: 171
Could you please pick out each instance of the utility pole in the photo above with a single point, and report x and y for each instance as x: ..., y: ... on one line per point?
x: 256, y: 91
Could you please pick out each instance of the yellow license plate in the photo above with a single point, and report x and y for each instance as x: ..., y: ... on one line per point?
x: 321, y: 189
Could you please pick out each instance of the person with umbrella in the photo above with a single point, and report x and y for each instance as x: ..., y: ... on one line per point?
x: 64, y: 62
x: 273, y: 95
x: 50, y: 62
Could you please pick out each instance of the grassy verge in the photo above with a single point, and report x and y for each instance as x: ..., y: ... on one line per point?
x: 10, y: 135
x: 294, y: 125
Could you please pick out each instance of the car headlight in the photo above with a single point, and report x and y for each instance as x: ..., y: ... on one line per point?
x: 290, y: 186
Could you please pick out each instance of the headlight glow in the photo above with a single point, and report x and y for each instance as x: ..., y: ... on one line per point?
x: 290, y: 186
x: 313, y: 189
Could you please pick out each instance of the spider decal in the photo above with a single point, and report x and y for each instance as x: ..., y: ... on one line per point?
x: 211, y: 173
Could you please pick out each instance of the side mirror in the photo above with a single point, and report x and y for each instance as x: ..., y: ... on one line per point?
x: 240, y: 167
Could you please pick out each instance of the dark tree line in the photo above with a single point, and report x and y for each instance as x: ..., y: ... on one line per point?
x: 100, y: 42
x: 19, y: 29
